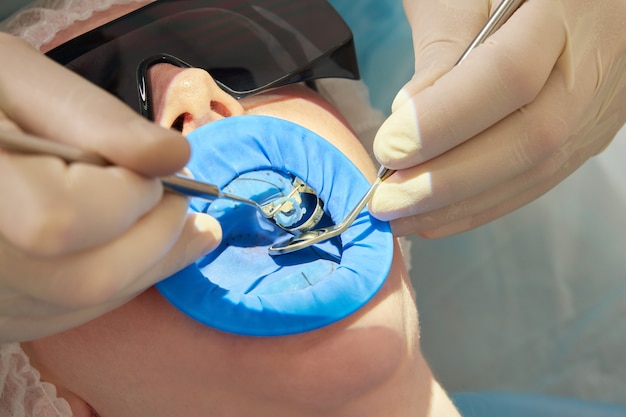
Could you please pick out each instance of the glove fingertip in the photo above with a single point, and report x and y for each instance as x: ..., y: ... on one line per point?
x: 206, y: 235
x: 398, y: 144
x: 400, y: 99
x: 385, y: 204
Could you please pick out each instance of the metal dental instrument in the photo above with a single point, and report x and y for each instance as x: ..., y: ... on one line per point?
x: 504, y: 10
x: 312, y: 237
x: 24, y: 143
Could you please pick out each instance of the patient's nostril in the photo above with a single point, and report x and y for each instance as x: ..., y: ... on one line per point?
x: 220, y: 108
x: 179, y: 122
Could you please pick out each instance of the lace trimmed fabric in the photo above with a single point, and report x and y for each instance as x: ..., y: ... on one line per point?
x: 22, y: 393
x: 41, y: 20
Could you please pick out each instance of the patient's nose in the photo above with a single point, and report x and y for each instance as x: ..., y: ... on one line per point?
x: 187, y: 98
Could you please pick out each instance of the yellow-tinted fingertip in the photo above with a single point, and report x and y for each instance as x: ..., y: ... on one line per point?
x: 398, y: 144
x: 205, y: 235
x: 400, y: 99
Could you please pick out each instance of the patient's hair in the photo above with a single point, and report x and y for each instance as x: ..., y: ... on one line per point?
x: 38, y: 22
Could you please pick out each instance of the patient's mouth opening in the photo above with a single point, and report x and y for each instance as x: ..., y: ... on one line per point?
x: 285, y: 199
x: 298, y: 211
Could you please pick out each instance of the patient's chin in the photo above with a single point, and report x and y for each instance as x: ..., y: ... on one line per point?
x: 340, y: 371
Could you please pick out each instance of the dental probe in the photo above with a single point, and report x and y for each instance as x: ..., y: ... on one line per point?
x: 24, y: 143
x: 504, y: 10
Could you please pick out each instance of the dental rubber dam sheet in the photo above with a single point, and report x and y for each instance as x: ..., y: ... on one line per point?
x: 239, y: 287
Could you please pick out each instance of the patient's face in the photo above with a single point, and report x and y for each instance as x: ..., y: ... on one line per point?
x: 148, y: 359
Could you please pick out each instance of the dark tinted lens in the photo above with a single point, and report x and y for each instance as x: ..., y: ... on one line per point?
x: 246, y: 46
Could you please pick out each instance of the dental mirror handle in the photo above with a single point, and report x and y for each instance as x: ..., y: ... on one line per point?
x: 500, y: 15
x: 505, y: 9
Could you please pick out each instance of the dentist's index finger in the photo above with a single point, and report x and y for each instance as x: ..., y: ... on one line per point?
x: 498, y: 77
x: 49, y: 101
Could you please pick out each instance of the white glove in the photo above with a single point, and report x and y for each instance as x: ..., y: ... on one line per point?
x: 78, y: 240
x: 517, y: 116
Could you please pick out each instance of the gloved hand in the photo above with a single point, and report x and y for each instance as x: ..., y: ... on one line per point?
x: 78, y: 240
x: 523, y: 111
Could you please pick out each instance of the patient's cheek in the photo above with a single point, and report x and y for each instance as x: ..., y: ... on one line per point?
x: 344, y: 369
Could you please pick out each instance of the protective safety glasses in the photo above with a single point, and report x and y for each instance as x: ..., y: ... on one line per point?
x: 247, y: 46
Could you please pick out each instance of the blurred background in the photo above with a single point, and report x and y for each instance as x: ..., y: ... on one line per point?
x: 536, y: 300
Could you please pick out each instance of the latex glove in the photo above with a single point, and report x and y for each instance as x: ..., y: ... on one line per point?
x: 78, y: 240
x: 523, y: 111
